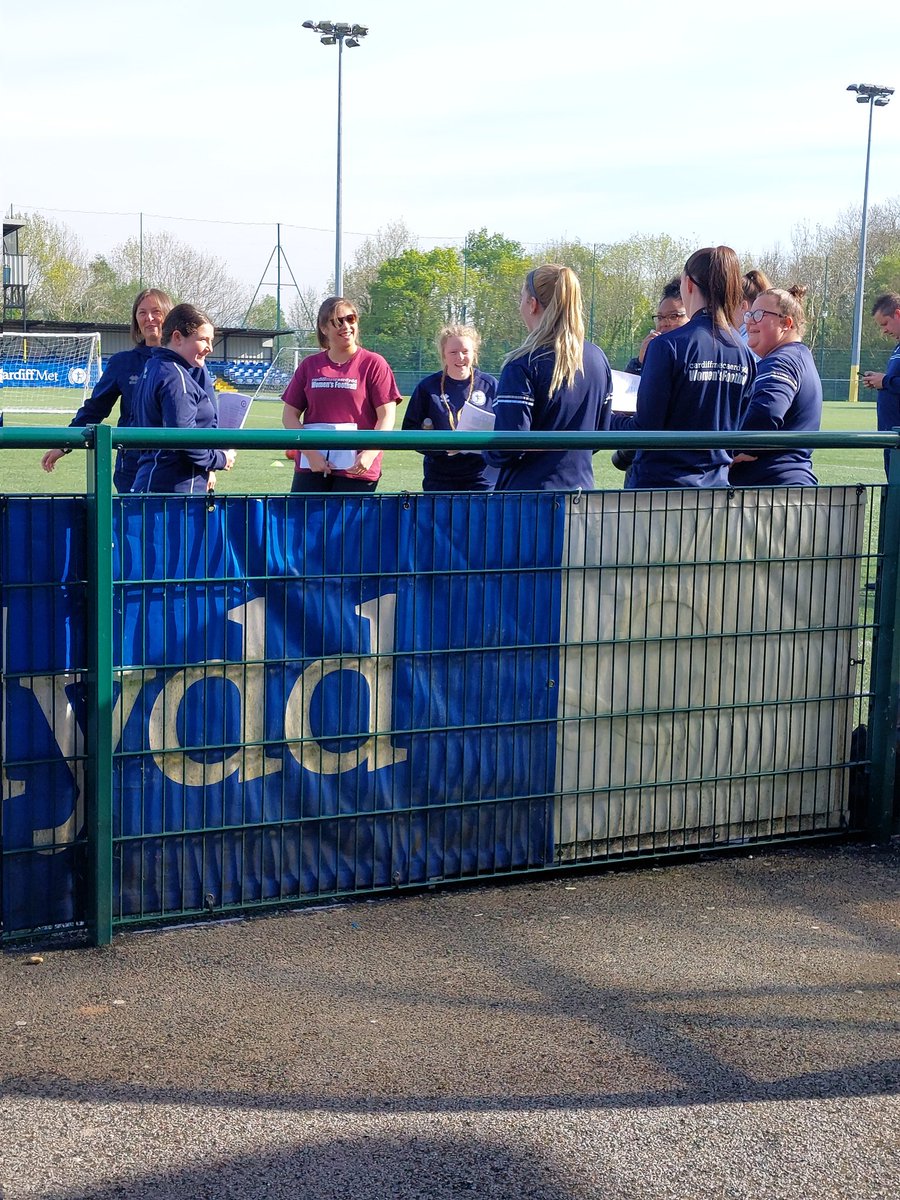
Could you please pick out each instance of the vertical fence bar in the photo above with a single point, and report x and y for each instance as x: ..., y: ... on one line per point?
x: 99, y: 762
x: 882, y: 819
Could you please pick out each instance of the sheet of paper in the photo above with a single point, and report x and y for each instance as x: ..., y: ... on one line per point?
x: 340, y: 460
x: 473, y: 419
x: 625, y: 390
x: 233, y: 409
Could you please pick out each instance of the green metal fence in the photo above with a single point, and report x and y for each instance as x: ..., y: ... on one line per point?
x: 635, y: 674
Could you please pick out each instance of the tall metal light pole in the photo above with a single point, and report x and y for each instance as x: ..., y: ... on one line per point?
x: 337, y: 33
x: 876, y: 97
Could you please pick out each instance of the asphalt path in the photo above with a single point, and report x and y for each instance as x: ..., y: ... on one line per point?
x: 726, y: 1028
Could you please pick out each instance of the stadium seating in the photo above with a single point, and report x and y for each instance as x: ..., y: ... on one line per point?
x: 243, y: 373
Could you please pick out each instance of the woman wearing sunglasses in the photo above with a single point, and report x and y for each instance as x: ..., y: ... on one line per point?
x: 697, y: 377
x: 344, y: 387
x: 786, y: 394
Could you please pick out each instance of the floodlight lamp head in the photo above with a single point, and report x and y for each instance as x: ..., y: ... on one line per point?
x: 327, y: 41
x: 862, y: 99
x: 881, y: 101
x: 354, y: 42
x: 853, y: 87
x: 341, y: 28
x: 309, y: 25
x: 359, y: 31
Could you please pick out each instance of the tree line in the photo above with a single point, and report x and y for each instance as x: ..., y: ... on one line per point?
x: 405, y: 294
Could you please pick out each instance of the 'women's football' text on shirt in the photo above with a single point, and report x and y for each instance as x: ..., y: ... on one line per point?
x: 350, y: 393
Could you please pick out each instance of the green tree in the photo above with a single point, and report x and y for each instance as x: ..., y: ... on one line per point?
x: 58, y: 275
x: 411, y: 297
x: 264, y: 314
x: 494, y: 268
x: 886, y: 276
x: 389, y: 242
x: 187, y: 274
x: 107, y: 299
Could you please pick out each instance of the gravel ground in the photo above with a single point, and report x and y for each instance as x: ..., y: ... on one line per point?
x: 728, y: 1029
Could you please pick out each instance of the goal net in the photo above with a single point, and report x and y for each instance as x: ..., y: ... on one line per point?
x: 282, y: 367
x: 47, y: 372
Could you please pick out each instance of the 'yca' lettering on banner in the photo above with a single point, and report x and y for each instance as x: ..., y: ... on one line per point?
x: 253, y: 759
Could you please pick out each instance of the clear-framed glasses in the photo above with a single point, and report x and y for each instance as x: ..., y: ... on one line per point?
x: 340, y: 322
x: 675, y: 316
x: 756, y: 315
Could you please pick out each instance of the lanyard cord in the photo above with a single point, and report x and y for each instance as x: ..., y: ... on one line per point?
x: 452, y: 416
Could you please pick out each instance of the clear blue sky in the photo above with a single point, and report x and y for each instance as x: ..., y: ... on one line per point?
x: 537, y: 120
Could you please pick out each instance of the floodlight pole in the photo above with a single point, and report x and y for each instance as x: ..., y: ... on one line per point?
x: 337, y: 32
x: 876, y: 97
x: 339, y: 197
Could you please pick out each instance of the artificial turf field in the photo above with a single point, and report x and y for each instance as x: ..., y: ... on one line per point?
x: 260, y: 471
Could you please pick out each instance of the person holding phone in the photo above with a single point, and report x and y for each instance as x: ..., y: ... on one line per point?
x: 886, y: 311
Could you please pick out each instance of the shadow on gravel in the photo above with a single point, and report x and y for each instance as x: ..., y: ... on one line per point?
x: 767, y: 981
x: 374, y: 1168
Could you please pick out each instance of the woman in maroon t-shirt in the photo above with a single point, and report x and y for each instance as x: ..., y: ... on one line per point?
x: 344, y: 387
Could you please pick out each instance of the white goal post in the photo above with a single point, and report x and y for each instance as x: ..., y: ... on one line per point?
x: 48, y: 372
x: 282, y: 367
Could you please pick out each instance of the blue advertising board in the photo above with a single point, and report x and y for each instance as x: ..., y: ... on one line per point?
x: 311, y: 697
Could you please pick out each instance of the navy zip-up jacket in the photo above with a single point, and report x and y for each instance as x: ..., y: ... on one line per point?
x: 118, y: 381
x: 888, y: 399
x: 523, y: 402
x: 171, y: 394
x: 786, y: 396
x: 429, y: 409
x: 694, y: 377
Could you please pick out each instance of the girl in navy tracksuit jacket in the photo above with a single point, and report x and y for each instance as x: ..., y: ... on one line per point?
x: 436, y: 404
x: 694, y: 378
x: 176, y: 392
x: 554, y: 381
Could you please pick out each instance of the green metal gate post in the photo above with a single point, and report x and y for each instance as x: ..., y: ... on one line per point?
x: 99, y: 764
x: 884, y: 711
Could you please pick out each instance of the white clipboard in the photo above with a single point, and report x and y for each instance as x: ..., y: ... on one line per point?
x: 340, y: 460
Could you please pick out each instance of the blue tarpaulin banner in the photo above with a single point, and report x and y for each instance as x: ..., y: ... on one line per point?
x: 312, y: 696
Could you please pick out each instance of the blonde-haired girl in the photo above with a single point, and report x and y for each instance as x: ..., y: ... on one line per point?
x: 554, y: 381
x: 437, y: 403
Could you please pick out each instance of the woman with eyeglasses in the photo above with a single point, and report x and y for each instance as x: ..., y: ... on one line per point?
x: 437, y: 403
x: 554, y: 381
x: 669, y: 315
x: 786, y: 395
x: 344, y: 387
x: 695, y: 378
